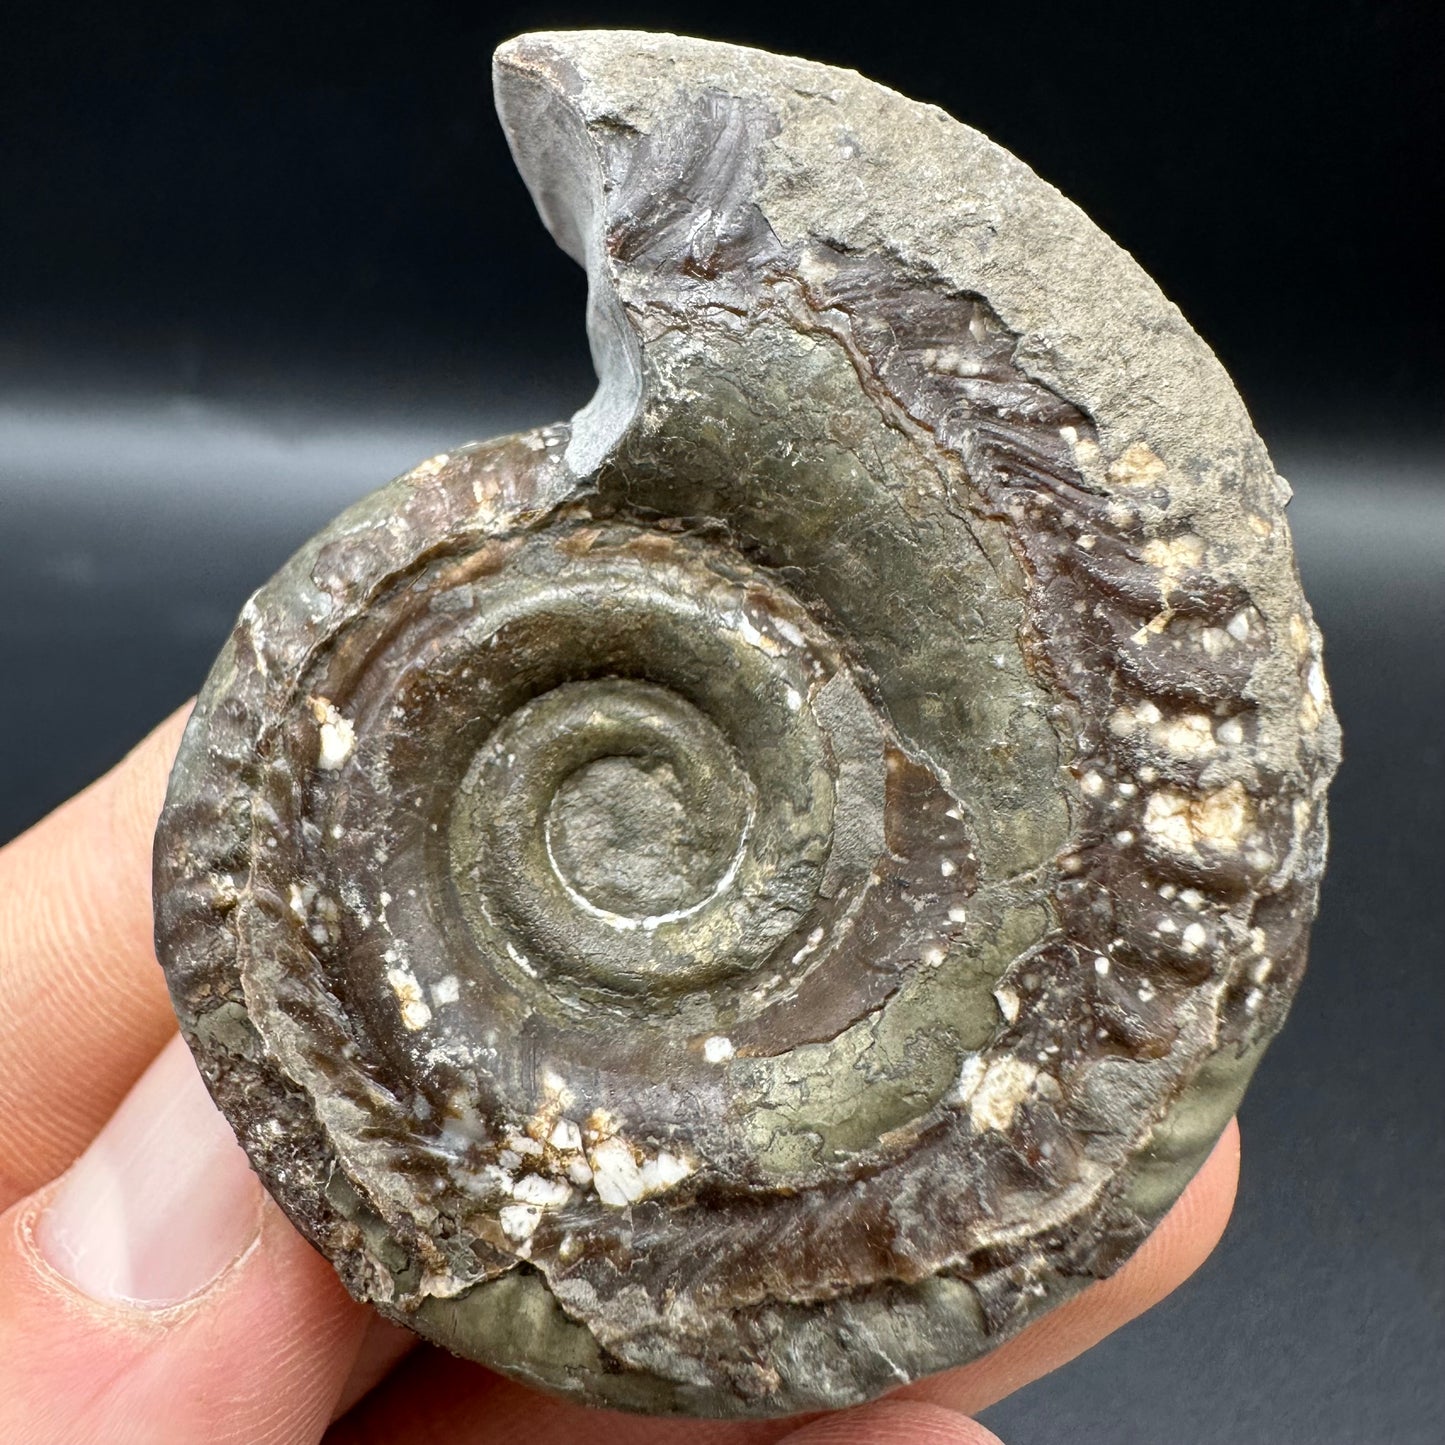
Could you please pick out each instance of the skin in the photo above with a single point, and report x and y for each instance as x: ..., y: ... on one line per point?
x: 272, y: 1351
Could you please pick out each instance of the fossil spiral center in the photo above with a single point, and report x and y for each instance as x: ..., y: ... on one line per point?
x: 641, y: 807
x: 624, y: 837
x: 656, y: 817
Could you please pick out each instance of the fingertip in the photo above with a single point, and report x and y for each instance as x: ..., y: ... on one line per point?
x: 383, y: 1347
x: 1183, y: 1240
x: 139, y: 780
x: 894, y: 1422
x: 1186, y: 1236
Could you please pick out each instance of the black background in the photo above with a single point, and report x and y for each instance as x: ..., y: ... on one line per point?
x: 253, y: 262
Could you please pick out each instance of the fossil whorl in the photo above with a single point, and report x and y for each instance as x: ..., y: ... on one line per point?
x: 754, y: 896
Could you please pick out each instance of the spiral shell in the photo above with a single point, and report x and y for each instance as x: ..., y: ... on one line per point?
x: 755, y: 895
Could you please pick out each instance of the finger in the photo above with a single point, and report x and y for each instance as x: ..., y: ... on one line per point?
x: 1183, y: 1241
x: 82, y: 1000
x: 383, y: 1347
x: 154, y: 1295
x: 894, y: 1422
x: 434, y: 1398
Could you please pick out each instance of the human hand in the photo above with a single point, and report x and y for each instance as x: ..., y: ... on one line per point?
x: 151, y: 1293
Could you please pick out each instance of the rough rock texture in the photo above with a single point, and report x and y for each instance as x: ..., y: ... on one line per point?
x: 755, y: 896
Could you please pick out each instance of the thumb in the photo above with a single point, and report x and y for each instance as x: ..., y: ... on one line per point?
x: 155, y: 1294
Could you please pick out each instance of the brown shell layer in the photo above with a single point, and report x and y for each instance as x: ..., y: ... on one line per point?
x: 753, y: 896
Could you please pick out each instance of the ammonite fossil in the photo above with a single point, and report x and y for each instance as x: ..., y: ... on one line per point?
x: 754, y: 895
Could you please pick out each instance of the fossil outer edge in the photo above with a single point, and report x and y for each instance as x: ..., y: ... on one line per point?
x: 756, y: 895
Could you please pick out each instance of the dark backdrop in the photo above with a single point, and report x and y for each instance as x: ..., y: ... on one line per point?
x: 253, y: 262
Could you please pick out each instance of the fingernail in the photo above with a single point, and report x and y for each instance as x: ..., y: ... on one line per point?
x: 161, y: 1202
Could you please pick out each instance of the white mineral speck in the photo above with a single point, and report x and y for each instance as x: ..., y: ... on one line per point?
x: 521, y: 960
x: 1181, y: 823
x: 302, y: 897
x: 993, y: 1091
x: 566, y: 1136
x: 1174, y: 555
x: 519, y: 1221
x: 615, y: 1175
x: 1230, y: 732
x: 544, y: 1193
x: 1139, y: 465
x: 716, y: 1049
x: 446, y: 990
x: 663, y: 1172
x: 1188, y: 736
x: 414, y: 1011
x: 1008, y: 1003
x: 754, y: 638
x: 337, y: 734
x: 813, y: 940
x: 620, y: 1179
